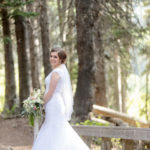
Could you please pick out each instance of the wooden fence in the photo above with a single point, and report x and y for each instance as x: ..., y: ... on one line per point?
x: 128, y: 135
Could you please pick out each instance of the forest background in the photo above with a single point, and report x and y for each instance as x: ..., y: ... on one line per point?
x: 107, y: 43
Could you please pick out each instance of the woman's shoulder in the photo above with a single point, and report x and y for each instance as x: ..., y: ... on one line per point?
x: 57, y: 70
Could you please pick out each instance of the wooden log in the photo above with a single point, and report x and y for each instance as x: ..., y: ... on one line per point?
x: 116, y: 121
x: 112, y: 113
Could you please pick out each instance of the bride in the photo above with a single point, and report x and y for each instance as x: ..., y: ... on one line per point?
x: 56, y: 133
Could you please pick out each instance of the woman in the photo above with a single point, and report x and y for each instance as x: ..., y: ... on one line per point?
x: 56, y: 133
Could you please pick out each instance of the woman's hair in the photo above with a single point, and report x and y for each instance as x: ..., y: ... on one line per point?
x: 61, y: 53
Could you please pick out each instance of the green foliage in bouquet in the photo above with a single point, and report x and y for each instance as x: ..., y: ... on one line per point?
x: 33, y: 106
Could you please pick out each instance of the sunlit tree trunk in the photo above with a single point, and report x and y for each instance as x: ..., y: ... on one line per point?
x: 33, y: 46
x: 10, y: 85
x: 147, y: 90
x: 45, y: 37
x: 20, y: 30
x: 61, y: 7
x: 67, y: 35
x: 124, y: 89
x: 119, y: 83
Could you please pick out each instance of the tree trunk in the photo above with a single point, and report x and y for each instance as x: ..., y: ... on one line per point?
x: 61, y: 5
x: 99, y: 62
x: 10, y: 86
x: 34, y: 47
x: 116, y: 88
x: 91, y: 74
x: 100, y: 88
x: 67, y: 35
x: 119, y: 83
x: 45, y: 36
x: 84, y: 92
x: 22, y: 58
x: 124, y: 89
x: 147, y: 90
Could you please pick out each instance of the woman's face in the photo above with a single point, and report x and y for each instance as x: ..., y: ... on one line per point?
x: 54, y: 59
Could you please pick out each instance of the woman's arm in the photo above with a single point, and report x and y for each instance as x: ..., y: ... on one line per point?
x: 53, y: 83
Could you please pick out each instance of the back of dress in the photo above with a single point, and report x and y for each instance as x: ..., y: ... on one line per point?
x: 62, y: 96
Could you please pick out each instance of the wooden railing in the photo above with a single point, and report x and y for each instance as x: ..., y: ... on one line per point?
x: 128, y: 135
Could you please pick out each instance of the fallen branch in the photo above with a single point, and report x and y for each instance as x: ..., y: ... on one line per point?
x: 100, y: 120
x: 132, y: 121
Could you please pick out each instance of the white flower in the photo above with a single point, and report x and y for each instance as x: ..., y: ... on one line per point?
x: 33, y: 105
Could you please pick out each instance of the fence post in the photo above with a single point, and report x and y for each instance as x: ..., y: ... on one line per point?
x: 127, y: 144
x: 87, y: 140
x: 106, y: 144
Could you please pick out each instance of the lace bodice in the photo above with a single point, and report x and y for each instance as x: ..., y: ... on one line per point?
x: 59, y: 86
x: 63, y: 87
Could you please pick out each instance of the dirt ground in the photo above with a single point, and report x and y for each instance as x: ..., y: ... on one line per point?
x: 15, y: 134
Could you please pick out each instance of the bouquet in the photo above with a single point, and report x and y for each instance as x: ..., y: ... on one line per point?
x: 33, y: 106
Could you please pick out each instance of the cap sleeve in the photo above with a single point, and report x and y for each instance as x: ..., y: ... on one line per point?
x: 58, y: 70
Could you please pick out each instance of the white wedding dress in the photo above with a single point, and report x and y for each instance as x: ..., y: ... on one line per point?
x: 56, y: 133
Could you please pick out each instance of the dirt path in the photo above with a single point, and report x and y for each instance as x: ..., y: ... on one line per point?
x: 15, y: 133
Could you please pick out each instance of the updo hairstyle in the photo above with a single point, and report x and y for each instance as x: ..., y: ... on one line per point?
x: 61, y: 53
